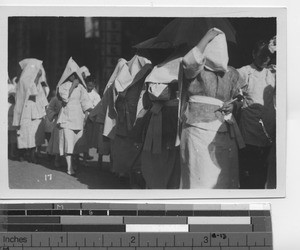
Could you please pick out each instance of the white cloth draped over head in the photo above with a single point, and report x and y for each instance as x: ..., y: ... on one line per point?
x: 85, y: 70
x: 125, y: 71
x: 27, y: 87
x: 123, y: 77
x: 158, y: 80
x: 71, y: 68
x: 163, y: 74
x: 215, y: 55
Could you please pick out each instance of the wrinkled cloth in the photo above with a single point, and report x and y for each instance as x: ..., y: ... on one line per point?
x: 209, y: 155
x: 259, y: 91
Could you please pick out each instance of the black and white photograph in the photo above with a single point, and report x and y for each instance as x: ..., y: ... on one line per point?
x: 145, y: 103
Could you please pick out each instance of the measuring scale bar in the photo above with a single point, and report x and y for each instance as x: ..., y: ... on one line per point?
x: 134, y: 227
x: 132, y: 240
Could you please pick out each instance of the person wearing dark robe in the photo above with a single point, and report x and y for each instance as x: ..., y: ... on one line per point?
x: 160, y: 155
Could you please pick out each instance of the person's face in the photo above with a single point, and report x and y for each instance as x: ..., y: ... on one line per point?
x: 90, y: 86
x: 261, y: 59
x: 72, y: 78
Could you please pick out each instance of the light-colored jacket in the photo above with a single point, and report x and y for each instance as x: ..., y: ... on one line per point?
x: 72, y: 115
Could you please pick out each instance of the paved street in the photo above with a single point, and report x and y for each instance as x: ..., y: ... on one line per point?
x: 24, y: 175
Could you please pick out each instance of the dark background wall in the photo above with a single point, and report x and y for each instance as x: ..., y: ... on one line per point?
x: 55, y: 39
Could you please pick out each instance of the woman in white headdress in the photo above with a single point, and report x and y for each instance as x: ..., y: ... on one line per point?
x: 210, y: 136
x: 75, y: 103
x: 31, y: 102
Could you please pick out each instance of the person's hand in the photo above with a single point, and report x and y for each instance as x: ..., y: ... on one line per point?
x: 76, y: 82
x: 212, y: 33
x: 227, y: 108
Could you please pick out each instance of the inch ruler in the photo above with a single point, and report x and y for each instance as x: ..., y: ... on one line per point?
x: 90, y: 226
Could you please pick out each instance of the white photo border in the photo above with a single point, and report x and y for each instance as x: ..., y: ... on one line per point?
x: 107, y: 194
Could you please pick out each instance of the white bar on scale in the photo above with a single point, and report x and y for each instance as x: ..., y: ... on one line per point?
x: 260, y: 206
x: 217, y: 220
x: 156, y: 228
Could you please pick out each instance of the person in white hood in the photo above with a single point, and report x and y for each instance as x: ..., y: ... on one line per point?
x: 75, y: 103
x: 210, y: 136
x: 30, y: 107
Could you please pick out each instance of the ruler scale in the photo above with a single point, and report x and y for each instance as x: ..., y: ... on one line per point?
x: 87, y: 226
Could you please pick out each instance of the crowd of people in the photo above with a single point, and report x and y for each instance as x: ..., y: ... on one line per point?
x: 189, y: 122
